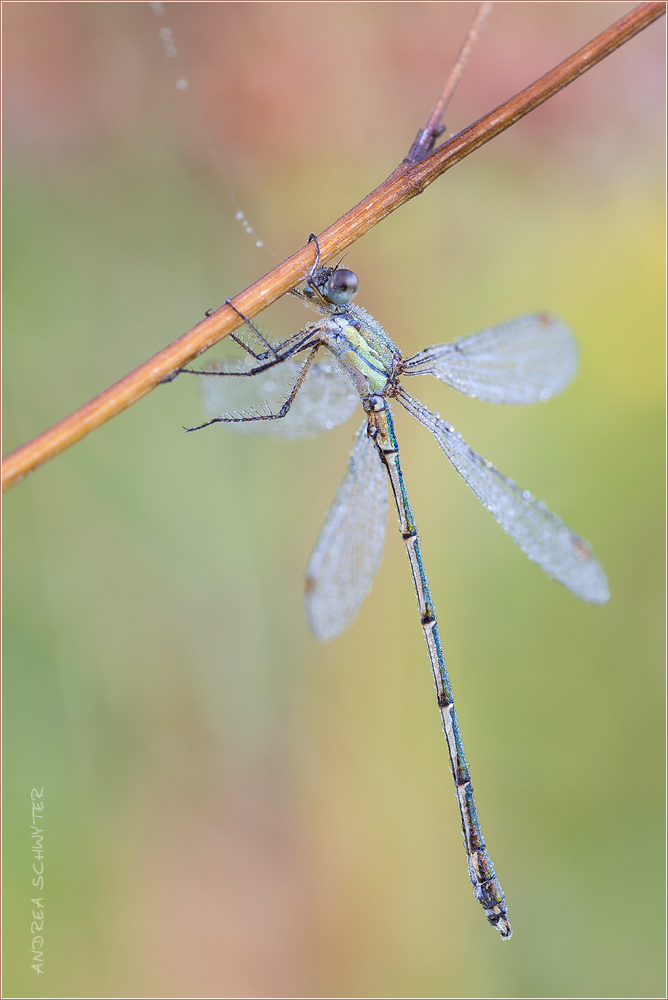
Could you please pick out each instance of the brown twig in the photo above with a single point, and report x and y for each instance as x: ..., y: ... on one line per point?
x: 427, y: 136
x: 407, y: 181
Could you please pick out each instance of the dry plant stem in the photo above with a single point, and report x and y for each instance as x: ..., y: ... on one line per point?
x: 427, y: 136
x: 407, y: 181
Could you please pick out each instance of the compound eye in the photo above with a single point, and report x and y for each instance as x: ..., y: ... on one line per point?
x: 342, y: 286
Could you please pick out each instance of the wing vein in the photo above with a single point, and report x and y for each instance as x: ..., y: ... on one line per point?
x: 542, y: 535
x: 348, y: 551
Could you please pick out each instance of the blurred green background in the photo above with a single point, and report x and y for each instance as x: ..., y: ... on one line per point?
x: 232, y: 809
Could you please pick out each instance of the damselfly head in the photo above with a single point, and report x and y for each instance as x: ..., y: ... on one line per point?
x: 336, y: 285
x: 342, y: 286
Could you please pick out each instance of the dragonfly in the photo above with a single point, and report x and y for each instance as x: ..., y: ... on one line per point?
x: 522, y: 361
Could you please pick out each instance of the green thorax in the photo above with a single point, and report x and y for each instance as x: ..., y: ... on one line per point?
x: 363, y: 349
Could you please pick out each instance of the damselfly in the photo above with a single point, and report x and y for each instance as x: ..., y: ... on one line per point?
x: 524, y: 360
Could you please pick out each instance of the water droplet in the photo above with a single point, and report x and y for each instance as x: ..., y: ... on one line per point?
x: 259, y: 243
x: 181, y: 84
x: 239, y: 216
x: 526, y: 495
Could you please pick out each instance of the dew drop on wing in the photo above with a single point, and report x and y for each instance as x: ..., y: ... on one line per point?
x: 538, y: 532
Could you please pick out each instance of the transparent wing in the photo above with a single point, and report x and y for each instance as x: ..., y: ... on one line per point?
x: 347, y: 554
x: 324, y: 400
x: 525, y: 360
x: 541, y: 534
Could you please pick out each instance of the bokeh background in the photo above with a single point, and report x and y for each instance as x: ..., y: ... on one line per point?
x: 232, y: 809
